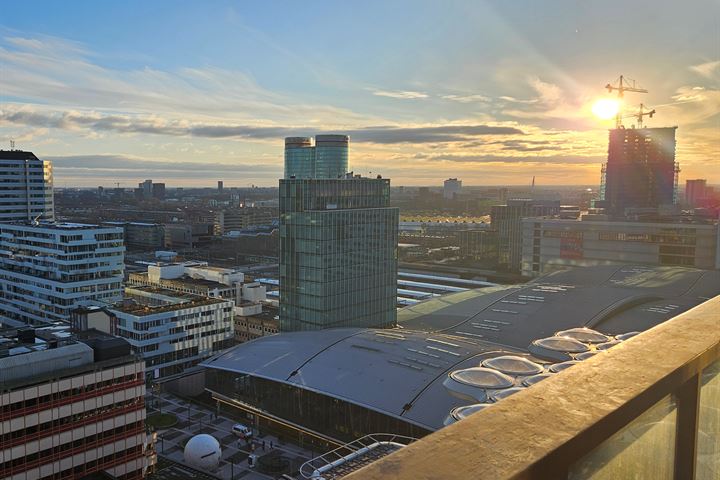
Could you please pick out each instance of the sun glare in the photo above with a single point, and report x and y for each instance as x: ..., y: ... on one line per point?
x: 606, y: 108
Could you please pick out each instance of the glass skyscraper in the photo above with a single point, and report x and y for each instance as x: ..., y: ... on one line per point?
x: 327, y: 159
x: 338, y: 253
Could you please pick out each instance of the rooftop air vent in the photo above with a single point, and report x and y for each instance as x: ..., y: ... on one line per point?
x: 513, y: 365
x: 585, y: 335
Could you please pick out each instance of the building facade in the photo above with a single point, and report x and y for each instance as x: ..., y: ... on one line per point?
x: 338, y: 253
x: 552, y: 244
x: 641, y: 171
x: 507, y: 221
x: 327, y: 159
x: 451, y: 188
x: 478, y: 245
x: 240, y: 218
x: 140, y: 235
x: 71, y: 409
x: 48, y: 269
x: 695, y: 192
x: 26, y: 187
x: 171, y: 331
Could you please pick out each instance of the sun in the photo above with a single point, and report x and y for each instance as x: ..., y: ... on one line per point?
x: 606, y: 108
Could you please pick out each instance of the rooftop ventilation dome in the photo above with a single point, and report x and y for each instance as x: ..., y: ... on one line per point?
x: 461, y: 413
x: 530, y: 381
x: 472, y: 383
x: 586, y: 355
x: 559, y: 367
x: 562, y: 344
x: 625, y: 336
x: 606, y: 345
x: 585, y: 335
x: 497, y: 396
x: 513, y: 365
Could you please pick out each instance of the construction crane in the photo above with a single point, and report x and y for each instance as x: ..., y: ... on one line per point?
x: 640, y: 114
x: 621, y: 86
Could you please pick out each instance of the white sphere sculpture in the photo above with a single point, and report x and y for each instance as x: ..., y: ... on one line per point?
x: 203, y: 452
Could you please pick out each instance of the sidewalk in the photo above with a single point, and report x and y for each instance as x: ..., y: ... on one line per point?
x: 194, y: 419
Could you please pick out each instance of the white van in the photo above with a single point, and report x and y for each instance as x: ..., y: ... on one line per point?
x: 242, y: 431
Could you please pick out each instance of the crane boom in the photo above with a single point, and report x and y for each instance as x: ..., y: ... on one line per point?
x: 621, y: 86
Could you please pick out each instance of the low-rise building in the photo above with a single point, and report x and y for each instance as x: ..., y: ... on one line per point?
x: 49, y: 269
x: 70, y: 408
x: 187, y: 236
x: 254, y: 321
x: 141, y: 236
x: 172, y: 331
x: 237, y: 219
x: 552, y: 244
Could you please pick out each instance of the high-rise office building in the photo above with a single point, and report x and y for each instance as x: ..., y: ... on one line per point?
x: 695, y: 191
x: 338, y: 253
x: 26, y: 187
x: 327, y: 159
x: 640, y: 172
x: 48, y: 269
x: 220, y: 186
x: 451, y: 188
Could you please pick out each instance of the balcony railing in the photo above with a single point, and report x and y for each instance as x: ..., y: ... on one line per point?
x: 649, y: 408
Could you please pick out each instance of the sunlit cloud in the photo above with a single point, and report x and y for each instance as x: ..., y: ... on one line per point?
x: 467, y: 98
x: 707, y: 69
x: 400, y: 94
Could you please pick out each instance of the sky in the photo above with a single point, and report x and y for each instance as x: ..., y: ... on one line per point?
x: 191, y: 92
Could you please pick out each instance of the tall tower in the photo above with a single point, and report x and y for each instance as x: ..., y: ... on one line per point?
x: 327, y: 159
x: 640, y: 171
x: 27, y: 187
x: 338, y: 242
x: 331, y: 156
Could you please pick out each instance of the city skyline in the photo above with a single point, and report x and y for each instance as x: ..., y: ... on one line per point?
x: 476, y: 91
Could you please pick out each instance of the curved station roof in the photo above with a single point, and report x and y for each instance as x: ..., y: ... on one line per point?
x: 475, y: 347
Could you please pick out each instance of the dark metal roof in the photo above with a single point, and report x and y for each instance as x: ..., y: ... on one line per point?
x: 17, y: 155
x: 400, y: 371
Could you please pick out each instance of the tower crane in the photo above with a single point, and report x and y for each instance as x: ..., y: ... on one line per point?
x: 622, y: 85
x: 640, y: 114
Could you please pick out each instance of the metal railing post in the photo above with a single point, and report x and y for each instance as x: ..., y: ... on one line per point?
x: 688, y: 399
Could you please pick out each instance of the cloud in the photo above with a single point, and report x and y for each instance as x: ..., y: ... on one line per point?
x: 400, y: 94
x: 517, y: 100
x: 547, y: 159
x: 155, y: 125
x: 707, y: 69
x: 122, y: 166
x: 467, y: 98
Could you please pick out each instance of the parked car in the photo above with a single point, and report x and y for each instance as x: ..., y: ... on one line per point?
x: 242, y: 431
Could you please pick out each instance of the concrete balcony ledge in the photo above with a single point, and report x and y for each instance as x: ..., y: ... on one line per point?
x: 541, y: 432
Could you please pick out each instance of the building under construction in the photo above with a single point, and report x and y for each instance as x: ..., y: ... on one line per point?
x: 641, y: 171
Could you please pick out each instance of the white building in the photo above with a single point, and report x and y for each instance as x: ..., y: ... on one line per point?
x: 49, y: 269
x: 199, y: 278
x: 451, y: 188
x: 26, y: 187
x: 71, y: 409
x: 171, y: 331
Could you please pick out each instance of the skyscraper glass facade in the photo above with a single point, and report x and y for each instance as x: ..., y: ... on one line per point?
x: 331, y: 156
x: 327, y: 159
x: 299, y: 158
x: 338, y: 254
